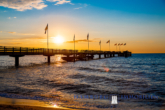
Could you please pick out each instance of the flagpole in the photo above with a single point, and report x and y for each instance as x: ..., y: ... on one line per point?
x: 88, y: 46
x: 116, y: 47
x: 47, y: 39
x: 74, y: 48
x: 100, y: 47
x: 119, y: 47
x: 109, y: 45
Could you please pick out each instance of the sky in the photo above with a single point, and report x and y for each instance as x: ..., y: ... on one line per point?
x: 138, y: 23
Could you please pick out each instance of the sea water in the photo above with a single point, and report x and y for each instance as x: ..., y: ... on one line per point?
x: 117, y: 82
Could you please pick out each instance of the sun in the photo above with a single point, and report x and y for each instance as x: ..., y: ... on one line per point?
x: 58, y: 39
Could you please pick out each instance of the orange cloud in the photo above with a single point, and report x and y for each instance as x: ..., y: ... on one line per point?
x: 77, y: 41
x: 18, y: 33
x: 15, y: 43
x: 25, y: 34
x: 12, y: 32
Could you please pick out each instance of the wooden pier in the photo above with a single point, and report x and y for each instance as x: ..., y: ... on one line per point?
x: 70, y: 55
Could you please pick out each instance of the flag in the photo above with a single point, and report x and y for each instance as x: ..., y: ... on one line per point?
x: 74, y: 38
x: 118, y: 44
x: 125, y: 44
x: 108, y: 41
x: 100, y: 43
x: 87, y: 36
x: 115, y: 44
x: 46, y: 28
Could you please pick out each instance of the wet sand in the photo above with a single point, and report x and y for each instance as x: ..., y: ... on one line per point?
x: 24, y: 107
x: 27, y: 104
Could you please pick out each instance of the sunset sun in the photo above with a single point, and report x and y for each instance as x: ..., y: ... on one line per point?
x: 58, y: 39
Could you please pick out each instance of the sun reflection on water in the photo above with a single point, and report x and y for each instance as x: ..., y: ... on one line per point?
x: 55, y: 105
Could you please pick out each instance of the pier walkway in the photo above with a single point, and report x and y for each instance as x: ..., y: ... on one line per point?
x: 69, y: 55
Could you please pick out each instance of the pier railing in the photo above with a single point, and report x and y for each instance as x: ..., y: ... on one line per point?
x: 7, y: 49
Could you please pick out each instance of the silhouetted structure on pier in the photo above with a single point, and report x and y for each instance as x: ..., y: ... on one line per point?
x: 71, y: 55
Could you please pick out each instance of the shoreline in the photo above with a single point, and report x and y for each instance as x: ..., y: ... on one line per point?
x: 26, y: 107
x: 27, y: 104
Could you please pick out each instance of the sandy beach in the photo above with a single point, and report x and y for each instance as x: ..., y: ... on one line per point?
x: 26, y: 104
x: 24, y: 107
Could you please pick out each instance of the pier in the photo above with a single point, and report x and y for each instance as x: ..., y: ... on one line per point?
x: 69, y: 55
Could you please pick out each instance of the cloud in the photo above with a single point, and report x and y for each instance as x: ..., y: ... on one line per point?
x: 23, y: 38
x: 10, y: 17
x: 77, y: 41
x: 11, y: 32
x: 77, y: 8
x: 59, y: 2
x: 15, y: 43
x: 82, y: 5
x: 85, y: 5
x: 35, y: 38
x: 25, y: 34
x: 21, y: 5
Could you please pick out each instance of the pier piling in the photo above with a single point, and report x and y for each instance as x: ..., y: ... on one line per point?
x: 16, y: 61
x: 48, y: 59
x: 99, y: 56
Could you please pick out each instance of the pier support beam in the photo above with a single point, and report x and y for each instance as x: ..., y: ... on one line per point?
x: 16, y: 59
x: 104, y: 55
x: 49, y: 54
x: 99, y: 56
x: 110, y: 55
x: 49, y: 59
x: 92, y: 56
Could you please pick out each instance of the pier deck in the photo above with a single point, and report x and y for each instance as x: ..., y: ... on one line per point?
x: 71, y: 55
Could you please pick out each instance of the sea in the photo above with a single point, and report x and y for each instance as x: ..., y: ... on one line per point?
x: 134, y: 83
